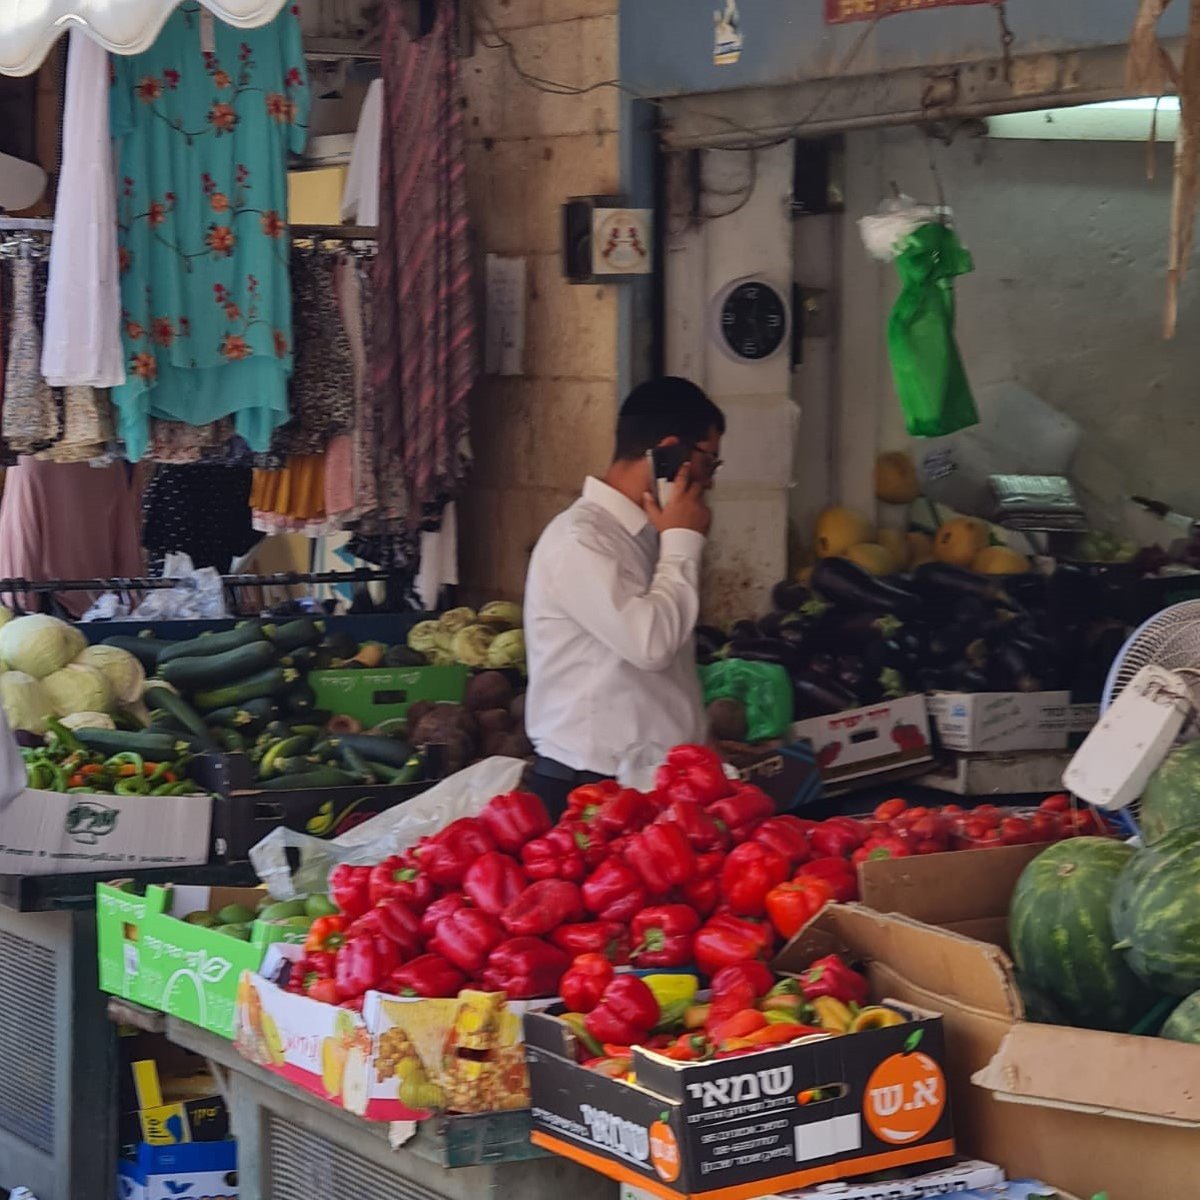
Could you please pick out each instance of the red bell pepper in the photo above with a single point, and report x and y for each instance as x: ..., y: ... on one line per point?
x: 755, y: 973
x: 447, y: 855
x: 607, y: 938
x: 399, y: 878
x: 626, y: 1014
x: 836, y: 839
x: 354, y: 1004
x: 837, y: 872
x: 443, y: 906
x: 514, y: 819
x: 324, y: 991
x: 584, y: 984
x: 466, y: 938
x: 751, y: 870
x: 429, y: 976
x: 831, y: 976
x: 493, y: 882
x: 785, y: 835
x: 791, y: 906
x: 393, y: 921
x: 703, y: 891
x: 543, y: 906
x: 662, y: 935
x: 692, y: 773
x: 624, y: 812
x: 361, y: 966
x: 326, y: 934
x: 727, y: 939
x: 586, y: 801
x: 524, y: 968
x: 876, y: 848
x: 613, y: 892
x: 319, y: 963
x: 743, y: 810
x: 702, y: 830
x: 662, y: 858
x: 554, y: 856
x: 589, y: 841
x: 349, y: 889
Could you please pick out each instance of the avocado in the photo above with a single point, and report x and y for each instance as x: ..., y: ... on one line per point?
x: 235, y: 914
x: 320, y: 906
x: 299, y: 922
x: 235, y: 929
x: 282, y: 909
x: 205, y: 920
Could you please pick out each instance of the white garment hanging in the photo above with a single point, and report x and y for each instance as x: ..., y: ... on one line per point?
x: 439, y: 559
x: 81, y: 338
x: 360, y: 196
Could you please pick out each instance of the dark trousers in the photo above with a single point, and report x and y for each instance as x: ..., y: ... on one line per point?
x: 554, y: 782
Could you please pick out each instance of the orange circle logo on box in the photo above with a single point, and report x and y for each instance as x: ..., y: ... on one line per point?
x: 664, y: 1151
x: 906, y: 1096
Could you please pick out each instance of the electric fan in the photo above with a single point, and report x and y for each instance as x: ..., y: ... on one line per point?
x: 1148, y: 699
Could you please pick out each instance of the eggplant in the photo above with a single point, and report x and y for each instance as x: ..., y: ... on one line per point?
x: 845, y: 583
x: 771, y: 625
x: 819, y: 696
x: 744, y: 631
x: 947, y: 644
x: 788, y: 596
x: 864, y: 627
x: 766, y: 650
x: 938, y: 580
x: 707, y: 645
x: 888, y: 655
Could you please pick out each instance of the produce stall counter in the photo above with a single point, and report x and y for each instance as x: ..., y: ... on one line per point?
x: 294, y: 1146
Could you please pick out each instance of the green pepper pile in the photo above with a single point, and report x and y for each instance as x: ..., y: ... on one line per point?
x: 64, y: 764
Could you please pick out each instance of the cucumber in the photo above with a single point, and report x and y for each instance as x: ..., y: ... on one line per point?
x: 322, y: 777
x: 209, y: 644
x: 390, y: 751
x: 163, y: 699
x: 194, y: 674
x: 158, y: 747
x: 266, y: 683
x: 293, y: 635
x: 146, y: 650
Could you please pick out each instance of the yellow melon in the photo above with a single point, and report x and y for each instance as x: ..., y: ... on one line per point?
x: 1000, y: 560
x: 960, y: 541
x: 873, y: 557
x: 838, y: 529
x: 895, y: 543
x: 920, y: 549
x: 896, y: 478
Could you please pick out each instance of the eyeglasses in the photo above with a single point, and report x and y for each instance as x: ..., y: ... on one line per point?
x: 711, y: 464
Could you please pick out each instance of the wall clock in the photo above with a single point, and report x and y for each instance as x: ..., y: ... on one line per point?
x: 751, y: 319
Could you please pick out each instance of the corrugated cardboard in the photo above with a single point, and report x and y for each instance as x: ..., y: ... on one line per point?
x: 867, y: 741
x: 1087, y: 1111
x: 995, y: 721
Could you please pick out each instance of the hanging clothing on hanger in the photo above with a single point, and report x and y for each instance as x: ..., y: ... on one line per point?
x: 200, y: 510
x: 31, y: 419
x: 82, y: 333
x: 204, y: 121
x: 360, y: 195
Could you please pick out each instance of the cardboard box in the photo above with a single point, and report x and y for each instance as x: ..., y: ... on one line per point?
x: 789, y: 775
x: 150, y: 955
x: 53, y: 833
x: 468, y: 1048
x: 867, y: 741
x: 742, y: 1128
x: 1088, y: 1111
x: 177, y: 1110
x: 372, y: 696
x: 198, y: 1171
x: 1021, y: 773
x: 993, y: 721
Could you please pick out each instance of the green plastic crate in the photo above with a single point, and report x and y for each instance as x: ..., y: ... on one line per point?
x: 383, y: 694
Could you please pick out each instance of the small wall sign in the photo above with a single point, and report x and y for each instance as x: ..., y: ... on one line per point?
x: 840, y: 12
x: 728, y: 39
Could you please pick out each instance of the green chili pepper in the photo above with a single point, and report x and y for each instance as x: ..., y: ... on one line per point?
x: 65, y: 737
x: 40, y: 774
x: 159, y: 772
x: 136, y: 785
x: 81, y: 791
x: 126, y: 758
x: 183, y: 788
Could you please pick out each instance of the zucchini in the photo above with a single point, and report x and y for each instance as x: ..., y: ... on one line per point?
x: 356, y: 764
x: 266, y: 683
x: 194, y: 674
x: 293, y: 635
x: 163, y: 699
x: 322, y: 777
x: 209, y: 644
x: 293, y: 747
x: 250, y: 717
x: 157, y: 747
x: 298, y: 764
x: 300, y: 701
x: 146, y: 650
x: 304, y: 659
x: 390, y: 751
x: 409, y: 773
x: 229, y: 740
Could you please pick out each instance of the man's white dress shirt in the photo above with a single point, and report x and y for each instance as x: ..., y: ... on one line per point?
x: 610, y: 610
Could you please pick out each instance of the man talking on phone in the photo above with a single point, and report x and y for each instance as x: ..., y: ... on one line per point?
x: 613, y: 594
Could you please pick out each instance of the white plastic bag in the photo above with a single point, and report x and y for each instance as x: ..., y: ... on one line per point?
x: 884, y: 231
x: 461, y: 795
x: 199, y: 595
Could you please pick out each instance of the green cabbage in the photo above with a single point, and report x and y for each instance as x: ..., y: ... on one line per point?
x: 78, y: 688
x: 455, y: 619
x: 86, y: 720
x: 422, y: 637
x: 6, y: 615
x: 471, y: 645
x: 501, y: 615
x: 508, y: 650
x: 124, y: 673
x: 24, y: 702
x: 40, y: 645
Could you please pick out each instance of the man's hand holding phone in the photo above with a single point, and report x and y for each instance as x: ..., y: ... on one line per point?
x: 685, y: 509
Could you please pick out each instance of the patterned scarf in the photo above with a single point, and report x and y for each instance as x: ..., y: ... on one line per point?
x: 424, y: 345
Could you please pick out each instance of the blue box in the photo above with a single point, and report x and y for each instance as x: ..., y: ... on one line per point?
x: 184, y: 1172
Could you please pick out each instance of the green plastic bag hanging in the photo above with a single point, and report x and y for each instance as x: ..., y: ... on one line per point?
x: 930, y: 380
x: 764, y: 690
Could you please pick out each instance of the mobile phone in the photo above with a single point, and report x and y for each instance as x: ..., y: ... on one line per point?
x: 665, y: 463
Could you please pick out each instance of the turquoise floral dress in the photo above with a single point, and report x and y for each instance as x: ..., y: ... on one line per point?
x: 203, y: 122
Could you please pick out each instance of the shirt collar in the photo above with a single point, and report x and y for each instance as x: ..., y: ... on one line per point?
x: 632, y: 518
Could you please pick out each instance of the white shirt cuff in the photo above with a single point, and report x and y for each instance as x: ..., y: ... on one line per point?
x: 681, y: 543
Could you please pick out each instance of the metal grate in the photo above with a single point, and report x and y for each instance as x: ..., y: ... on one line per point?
x: 28, y: 1041
x: 301, y: 1165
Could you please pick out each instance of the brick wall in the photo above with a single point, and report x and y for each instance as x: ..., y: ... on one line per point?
x: 536, y: 436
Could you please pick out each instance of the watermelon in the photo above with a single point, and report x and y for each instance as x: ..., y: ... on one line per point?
x: 1183, y: 1025
x: 1172, y: 797
x: 1061, y: 934
x: 1156, y: 912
